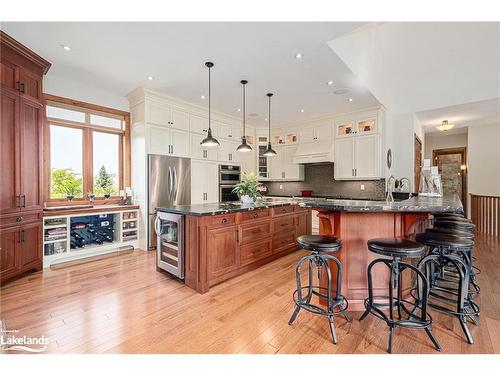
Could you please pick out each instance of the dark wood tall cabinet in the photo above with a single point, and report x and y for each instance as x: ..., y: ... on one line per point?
x: 21, y: 126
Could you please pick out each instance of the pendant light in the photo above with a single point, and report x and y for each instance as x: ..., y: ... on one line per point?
x: 269, y: 151
x: 244, y: 147
x: 209, y: 141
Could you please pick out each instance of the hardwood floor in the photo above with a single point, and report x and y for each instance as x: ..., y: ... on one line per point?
x: 122, y: 305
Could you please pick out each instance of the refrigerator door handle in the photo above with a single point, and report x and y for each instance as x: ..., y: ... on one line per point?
x: 175, y: 186
x: 170, y: 177
x: 157, y: 230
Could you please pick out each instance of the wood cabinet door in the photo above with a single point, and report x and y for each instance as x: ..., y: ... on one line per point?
x: 367, y: 156
x: 9, y: 240
x: 344, y: 158
x: 223, y: 252
x: 30, y: 135
x: 301, y: 224
x: 9, y: 162
x: 30, y: 85
x: 9, y: 75
x: 31, y: 245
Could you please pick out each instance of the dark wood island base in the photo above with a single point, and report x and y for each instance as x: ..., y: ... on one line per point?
x: 355, y: 229
x: 219, y: 247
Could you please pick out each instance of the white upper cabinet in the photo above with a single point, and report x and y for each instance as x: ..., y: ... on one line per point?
x: 229, y: 132
x: 349, y: 127
x: 368, y: 157
x: 198, y: 152
x: 282, y: 167
x: 358, y: 158
x: 199, y: 125
x: 164, y: 141
x: 307, y: 135
x: 315, y: 132
x: 161, y: 114
x: 227, y: 152
x: 204, y: 186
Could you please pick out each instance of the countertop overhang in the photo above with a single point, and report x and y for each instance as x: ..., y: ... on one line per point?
x: 449, y: 203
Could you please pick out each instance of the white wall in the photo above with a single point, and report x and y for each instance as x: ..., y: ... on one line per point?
x: 442, y: 140
x: 484, y: 159
x: 90, y: 93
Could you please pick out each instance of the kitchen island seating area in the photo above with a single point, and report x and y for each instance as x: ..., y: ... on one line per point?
x: 444, y: 278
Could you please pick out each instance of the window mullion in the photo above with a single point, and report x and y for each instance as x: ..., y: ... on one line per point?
x: 88, y: 162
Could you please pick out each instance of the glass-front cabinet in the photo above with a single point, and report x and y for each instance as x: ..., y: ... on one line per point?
x: 289, y: 137
x: 356, y: 127
x: 170, y: 243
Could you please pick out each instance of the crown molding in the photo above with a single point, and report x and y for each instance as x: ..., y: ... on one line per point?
x: 8, y: 41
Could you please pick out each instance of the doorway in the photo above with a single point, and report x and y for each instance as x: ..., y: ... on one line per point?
x: 417, y: 163
x: 451, y: 163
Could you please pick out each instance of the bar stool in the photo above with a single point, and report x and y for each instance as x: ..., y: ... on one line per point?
x: 448, y: 273
x: 417, y: 317
x: 320, y: 247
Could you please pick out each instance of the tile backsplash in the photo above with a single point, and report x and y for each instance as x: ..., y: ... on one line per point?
x: 319, y: 179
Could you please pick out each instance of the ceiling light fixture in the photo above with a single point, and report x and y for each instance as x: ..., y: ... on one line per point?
x: 329, y: 83
x: 151, y: 78
x: 244, y: 147
x: 349, y: 100
x: 209, y: 141
x: 269, y: 151
x: 66, y: 48
x: 298, y: 56
x: 445, y: 126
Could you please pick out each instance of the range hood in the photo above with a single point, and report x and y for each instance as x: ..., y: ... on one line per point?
x: 314, y: 152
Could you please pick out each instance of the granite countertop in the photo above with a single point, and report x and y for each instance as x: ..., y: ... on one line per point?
x: 418, y: 204
x: 449, y: 203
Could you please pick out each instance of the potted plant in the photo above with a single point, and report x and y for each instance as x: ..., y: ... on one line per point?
x: 107, y: 192
x: 91, y: 196
x: 71, y: 191
x: 247, y: 189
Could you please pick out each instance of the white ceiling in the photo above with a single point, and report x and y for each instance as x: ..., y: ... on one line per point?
x: 118, y: 57
x: 463, y: 116
x: 418, y: 66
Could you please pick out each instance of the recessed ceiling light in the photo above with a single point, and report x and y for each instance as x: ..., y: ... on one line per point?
x: 66, y: 48
x: 298, y: 56
x: 239, y: 109
x: 349, y: 100
x: 203, y: 96
x: 265, y: 119
x: 302, y: 111
x: 341, y: 91
x: 151, y: 78
x: 329, y: 83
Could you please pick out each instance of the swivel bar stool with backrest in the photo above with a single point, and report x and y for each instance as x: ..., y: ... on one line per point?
x: 321, y: 259
x: 449, y: 294
x: 416, y: 313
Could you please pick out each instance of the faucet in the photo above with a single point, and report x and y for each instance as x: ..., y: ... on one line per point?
x: 390, y: 184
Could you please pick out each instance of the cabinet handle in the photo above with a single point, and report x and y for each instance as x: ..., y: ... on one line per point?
x: 355, y: 172
x: 223, y: 221
x: 22, y: 88
x: 18, y: 236
x: 255, y: 215
x: 18, y: 84
x: 18, y: 201
x: 22, y: 236
x: 172, y: 148
x: 19, y: 219
x: 24, y: 201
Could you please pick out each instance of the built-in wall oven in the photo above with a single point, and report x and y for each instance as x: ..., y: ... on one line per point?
x: 170, y: 243
x: 229, y: 176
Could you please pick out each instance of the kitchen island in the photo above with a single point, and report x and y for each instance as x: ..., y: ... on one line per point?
x: 355, y: 222
x: 227, y: 239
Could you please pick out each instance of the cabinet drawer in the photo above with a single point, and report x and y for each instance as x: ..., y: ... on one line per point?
x: 20, y: 218
x: 256, y: 251
x: 252, y: 232
x: 285, y: 224
x: 221, y: 220
x: 256, y: 214
x: 282, y: 241
x: 282, y: 210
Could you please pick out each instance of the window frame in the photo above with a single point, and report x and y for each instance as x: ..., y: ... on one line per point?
x: 87, y: 147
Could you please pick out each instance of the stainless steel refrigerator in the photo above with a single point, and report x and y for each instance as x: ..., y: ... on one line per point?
x: 169, y: 183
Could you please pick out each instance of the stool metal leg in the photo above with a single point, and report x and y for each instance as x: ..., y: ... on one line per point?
x: 332, y: 329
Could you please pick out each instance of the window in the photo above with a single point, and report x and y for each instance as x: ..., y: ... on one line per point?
x: 86, y: 150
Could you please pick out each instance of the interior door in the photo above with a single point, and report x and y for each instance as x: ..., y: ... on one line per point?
x: 344, y: 158
x: 367, y: 156
x: 30, y: 131
x: 31, y: 237
x: 453, y: 178
x: 9, y: 181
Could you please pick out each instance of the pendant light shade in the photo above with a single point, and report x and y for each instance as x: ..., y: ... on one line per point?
x: 209, y: 141
x: 244, y: 147
x: 269, y: 151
